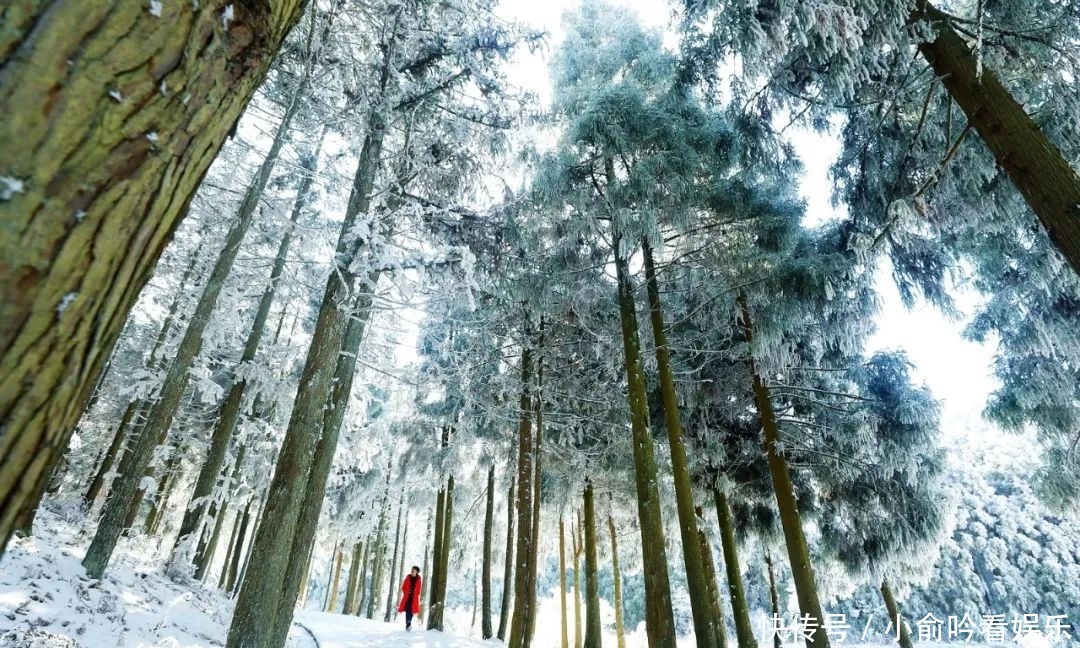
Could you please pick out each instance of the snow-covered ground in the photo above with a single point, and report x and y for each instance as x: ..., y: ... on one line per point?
x: 46, y: 601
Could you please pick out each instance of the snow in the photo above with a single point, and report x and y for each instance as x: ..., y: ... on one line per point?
x: 340, y: 631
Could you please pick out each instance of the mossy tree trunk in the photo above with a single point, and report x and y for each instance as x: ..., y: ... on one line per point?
x: 659, y: 619
x: 353, y: 586
x: 508, y: 562
x: 393, y: 563
x: 1035, y: 165
x: 592, y: 585
x: 576, y: 547
x: 485, y: 569
x: 335, y: 579
x: 802, y: 571
x: 774, y: 597
x: 737, y: 593
x: 525, y: 482
x: 107, y: 159
x: 616, y: 576
x: 715, y: 610
x: 538, y: 441
x: 238, y: 553
x: 564, y: 622
x: 705, y: 630
x: 903, y: 633
x: 437, y: 540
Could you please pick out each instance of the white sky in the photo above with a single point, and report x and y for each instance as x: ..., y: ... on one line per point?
x: 957, y: 371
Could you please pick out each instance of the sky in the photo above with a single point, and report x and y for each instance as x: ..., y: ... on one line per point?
x: 958, y: 371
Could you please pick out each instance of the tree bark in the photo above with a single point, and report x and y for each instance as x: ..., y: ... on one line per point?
x: 508, y: 562
x: 592, y: 587
x: 229, y: 413
x: 230, y: 549
x: 802, y: 572
x: 576, y: 546
x: 485, y: 570
x: 112, y: 116
x: 207, y: 555
x: 774, y: 597
x: 436, y: 618
x: 564, y: 622
x: 1034, y: 164
x: 336, y: 581
x: 894, y: 615
x: 361, y: 596
x: 238, y: 553
x: 525, y: 478
x: 705, y: 625
x: 659, y: 619
x: 739, y: 607
x: 538, y: 437
x: 620, y: 633
x: 354, y: 579
x: 393, y: 563
x: 715, y: 610
x: 436, y: 554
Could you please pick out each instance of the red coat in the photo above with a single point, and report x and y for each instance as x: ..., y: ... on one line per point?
x: 415, y: 596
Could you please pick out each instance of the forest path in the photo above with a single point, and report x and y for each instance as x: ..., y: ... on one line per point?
x: 343, y: 631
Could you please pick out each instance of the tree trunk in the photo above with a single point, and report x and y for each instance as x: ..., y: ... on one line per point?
x: 166, y: 483
x: 576, y: 542
x: 436, y: 554
x: 250, y: 547
x: 802, y: 571
x: 336, y: 583
x: 393, y: 562
x: 620, y: 633
x: 444, y: 571
x: 894, y: 614
x: 739, y: 607
x: 508, y: 563
x: 538, y: 437
x: 659, y: 619
x: 311, y: 507
x: 237, y: 552
x: 261, y: 598
x: 230, y: 549
x: 94, y: 488
x: 1034, y: 164
x: 361, y: 596
x: 229, y: 413
x: 485, y: 570
x: 107, y: 160
x: 380, y: 552
x: 592, y: 587
x: 523, y: 577
x: 774, y: 597
x: 207, y: 555
x: 354, y: 579
x: 705, y: 625
x: 564, y: 622
x: 301, y: 602
x: 715, y: 610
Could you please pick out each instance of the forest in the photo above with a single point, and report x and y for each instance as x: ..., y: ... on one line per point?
x: 462, y: 323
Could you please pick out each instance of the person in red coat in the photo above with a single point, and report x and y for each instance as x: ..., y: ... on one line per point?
x: 410, y: 596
